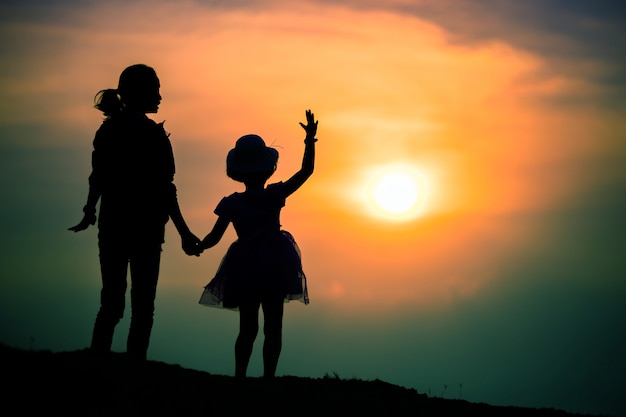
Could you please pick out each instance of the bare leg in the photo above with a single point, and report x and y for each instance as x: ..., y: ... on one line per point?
x: 272, y: 329
x: 248, y: 329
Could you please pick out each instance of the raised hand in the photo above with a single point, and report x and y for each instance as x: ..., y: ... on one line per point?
x: 311, y: 126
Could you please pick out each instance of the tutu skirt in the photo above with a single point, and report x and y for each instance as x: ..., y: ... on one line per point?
x: 268, y: 267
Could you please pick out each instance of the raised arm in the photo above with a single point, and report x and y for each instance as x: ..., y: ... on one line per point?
x: 308, y: 160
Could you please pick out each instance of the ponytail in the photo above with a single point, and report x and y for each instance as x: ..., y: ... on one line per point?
x: 108, y: 102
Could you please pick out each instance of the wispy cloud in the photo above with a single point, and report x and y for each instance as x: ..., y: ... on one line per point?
x: 496, y: 129
x: 511, y: 112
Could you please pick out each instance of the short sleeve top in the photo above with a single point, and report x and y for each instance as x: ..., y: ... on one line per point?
x: 253, y: 214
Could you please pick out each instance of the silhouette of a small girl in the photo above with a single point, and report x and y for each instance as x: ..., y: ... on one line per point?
x: 263, y: 267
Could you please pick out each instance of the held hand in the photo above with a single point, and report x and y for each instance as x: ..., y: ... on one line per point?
x: 191, y: 244
x: 196, y: 252
x: 311, y: 126
x: 88, y: 219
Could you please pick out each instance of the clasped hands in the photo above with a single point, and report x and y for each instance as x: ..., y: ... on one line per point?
x: 191, y: 244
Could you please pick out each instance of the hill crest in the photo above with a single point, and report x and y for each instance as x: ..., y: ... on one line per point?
x: 79, y: 383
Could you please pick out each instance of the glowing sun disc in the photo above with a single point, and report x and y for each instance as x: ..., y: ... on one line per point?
x: 396, y: 194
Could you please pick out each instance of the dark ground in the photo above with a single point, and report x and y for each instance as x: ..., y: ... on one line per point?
x: 79, y: 384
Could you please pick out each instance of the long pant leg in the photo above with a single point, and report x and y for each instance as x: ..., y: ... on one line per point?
x: 113, y: 268
x: 272, y: 329
x: 248, y: 329
x: 144, y: 272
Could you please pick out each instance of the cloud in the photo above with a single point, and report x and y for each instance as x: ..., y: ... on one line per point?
x: 498, y: 131
x: 514, y: 120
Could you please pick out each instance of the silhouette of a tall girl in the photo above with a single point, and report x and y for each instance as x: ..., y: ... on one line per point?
x: 263, y: 267
x: 132, y: 177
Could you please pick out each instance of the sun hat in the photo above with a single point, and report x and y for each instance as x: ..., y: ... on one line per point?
x: 251, y: 156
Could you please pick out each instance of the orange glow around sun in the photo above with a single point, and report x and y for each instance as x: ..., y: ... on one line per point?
x: 425, y: 145
x: 395, y: 192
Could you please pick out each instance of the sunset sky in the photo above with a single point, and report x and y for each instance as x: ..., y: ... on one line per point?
x: 504, y: 283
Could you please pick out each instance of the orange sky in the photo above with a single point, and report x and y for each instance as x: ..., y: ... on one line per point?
x: 511, y: 113
x: 474, y: 121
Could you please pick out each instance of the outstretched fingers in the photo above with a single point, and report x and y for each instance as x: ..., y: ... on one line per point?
x: 311, y: 126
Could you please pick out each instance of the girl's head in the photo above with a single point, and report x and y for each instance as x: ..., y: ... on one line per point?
x: 137, y: 90
x: 250, y: 160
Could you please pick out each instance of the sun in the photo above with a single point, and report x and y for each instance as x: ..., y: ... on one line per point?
x: 396, y: 193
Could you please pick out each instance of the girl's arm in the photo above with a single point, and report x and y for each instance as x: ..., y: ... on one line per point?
x: 308, y: 160
x: 215, y: 234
